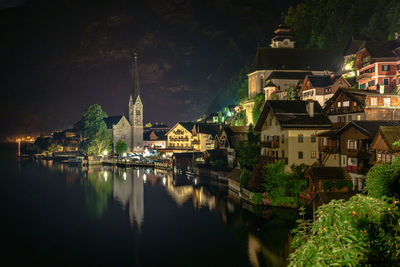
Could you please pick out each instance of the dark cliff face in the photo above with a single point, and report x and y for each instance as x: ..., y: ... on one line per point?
x: 61, y: 56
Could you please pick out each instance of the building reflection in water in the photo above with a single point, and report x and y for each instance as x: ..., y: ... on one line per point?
x: 129, y: 192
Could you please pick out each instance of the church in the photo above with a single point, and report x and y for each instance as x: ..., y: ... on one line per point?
x: 129, y: 130
x: 281, y: 66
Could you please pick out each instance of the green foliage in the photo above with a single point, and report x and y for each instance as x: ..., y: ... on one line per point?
x: 244, y: 178
x: 53, y: 147
x: 291, y: 94
x: 339, y: 184
x: 384, y: 180
x: 239, y: 119
x: 249, y: 152
x: 331, y: 23
x: 100, y: 142
x: 282, y: 187
x: 121, y: 147
x: 235, y: 91
x: 274, y: 96
x: 259, y: 100
x: 93, y: 120
x: 363, y: 231
x: 256, y: 198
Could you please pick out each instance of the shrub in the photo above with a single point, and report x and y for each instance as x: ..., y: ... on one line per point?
x: 244, y: 178
x: 384, y: 180
x: 362, y: 231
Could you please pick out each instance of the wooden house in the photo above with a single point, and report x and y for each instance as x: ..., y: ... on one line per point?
x: 383, y: 144
x: 349, y: 104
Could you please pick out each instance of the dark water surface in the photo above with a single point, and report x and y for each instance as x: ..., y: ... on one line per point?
x: 53, y: 214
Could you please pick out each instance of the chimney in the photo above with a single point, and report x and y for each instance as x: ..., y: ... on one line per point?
x: 310, y: 107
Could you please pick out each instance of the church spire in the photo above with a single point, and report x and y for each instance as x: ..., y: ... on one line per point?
x: 135, y: 77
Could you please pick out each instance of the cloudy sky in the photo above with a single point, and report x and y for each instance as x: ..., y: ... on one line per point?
x: 58, y: 57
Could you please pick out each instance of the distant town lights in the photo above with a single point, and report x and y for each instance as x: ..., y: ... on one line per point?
x: 164, y: 181
x: 105, y: 176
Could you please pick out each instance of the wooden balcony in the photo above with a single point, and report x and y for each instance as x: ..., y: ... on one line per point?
x: 364, y: 76
x: 358, y: 153
x: 268, y: 159
x: 270, y: 144
x: 174, y: 139
x: 331, y: 149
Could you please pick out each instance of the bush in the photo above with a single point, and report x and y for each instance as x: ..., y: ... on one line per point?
x: 244, y: 178
x: 363, y: 231
x: 384, y: 180
x: 121, y: 147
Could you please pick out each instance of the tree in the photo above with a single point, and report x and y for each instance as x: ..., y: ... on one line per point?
x: 249, y: 152
x: 93, y: 120
x: 121, y: 147
x: 259, y: 100
x: 291, y: 94
x: 98, y: 138
x: 53, y: 147
x: 100, y: 142
x: 239, y: 119
x: 384, y: 180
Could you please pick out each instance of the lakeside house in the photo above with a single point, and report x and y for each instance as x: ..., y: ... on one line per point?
x: 289, y: 131
x: 321, y: 87
x: 377, y: 63
x: 383, y: 145
x: 227, y: 139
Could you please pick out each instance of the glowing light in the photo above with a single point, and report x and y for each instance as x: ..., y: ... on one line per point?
x: 164, y: 181
x: 105, y: 152
x: 144, y: 178
x: 125, y: 176
x: 105, y: 176
x: 195, y: 181
x: 124, y: 155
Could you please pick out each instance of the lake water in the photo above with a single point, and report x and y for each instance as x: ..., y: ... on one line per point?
x: 54, y: 214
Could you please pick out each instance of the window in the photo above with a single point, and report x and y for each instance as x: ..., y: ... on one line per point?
x: 300, y: 154
x: 362, y: 86
x: 365, y: 60
x: 346, y: 103
x: 386, y: 102
x: 354, y: 104
x: 324, y: 141
x: 398, y: 67
x: 352, y: 161
x: 339, y: 104
x: 372, y: 70
x: 371, y: 83
x: 300, y: 138
x: 351, y: 144
x: 385, y: 81
x: 385, y: 67
x: 379, y: 157
x: 388, y: 157
x: 313, y: 154
x: 312, y: 138
x: 138, y: 112
x: 373, y: 101
x: 358, y: 117
x: 283, y: 139
x: 349, y: 118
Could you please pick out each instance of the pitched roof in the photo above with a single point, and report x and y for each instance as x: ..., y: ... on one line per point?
x: 390, y: 134
x: 293, y: 114
x: 352, y: 47
x: 288, y: 75
x: 113, y: 120
x: 322, y: 80
x: 369, y: 128
x: 159, y: 133
x: 187, y: 125
x: 327, y: 173
x: 209, y: 128
x: 295, y: 59
x: 380, y: 49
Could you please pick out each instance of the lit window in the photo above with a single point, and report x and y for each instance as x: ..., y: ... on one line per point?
x: 358, y: 117
x: 324, y: 141
x: 373, y: 101
x: 339, y: 104
x: 379, y: 157
x: 346, y: 103
x: 313, y: 154
x: 386, y: 102
x: 354, y: 104
x: 351, y: 144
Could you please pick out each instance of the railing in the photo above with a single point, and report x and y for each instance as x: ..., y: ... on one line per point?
x: 328, y: 149
x: 356, y: 169
x: 364, y: 76
x: 195, y: 142
x: 180, y: 147
x: 179, y: 139
x: 270, y: 144
x: 269, y: 159
x: 359, y: 153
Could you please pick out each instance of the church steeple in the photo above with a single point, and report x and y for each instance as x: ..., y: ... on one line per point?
x: 135, y: 77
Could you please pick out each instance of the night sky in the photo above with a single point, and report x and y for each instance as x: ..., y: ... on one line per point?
x: 59, y: 57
